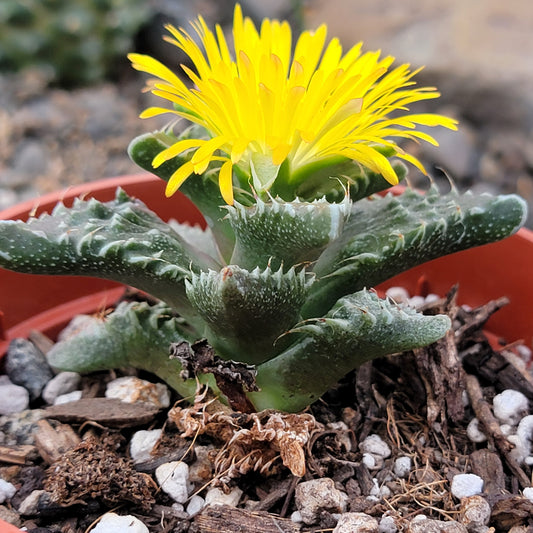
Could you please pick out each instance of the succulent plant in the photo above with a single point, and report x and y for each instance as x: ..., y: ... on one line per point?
x: 280, y: 280
x: 74, y: 41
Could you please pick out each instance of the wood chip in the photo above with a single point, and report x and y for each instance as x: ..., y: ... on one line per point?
x: 497, y: 369
x: 18, y: 455
x: 53, y: 442
x: 488, y: 466
x: 217, y: 518
x: 106, y: 411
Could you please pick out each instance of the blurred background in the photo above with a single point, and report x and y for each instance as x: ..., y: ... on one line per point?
x: 69, y: 102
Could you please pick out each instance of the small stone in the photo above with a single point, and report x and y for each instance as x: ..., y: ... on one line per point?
x: 7, y: 490
x: 296, y: 517
x: 114, y: 523
x: 20, y: 428
x: 402, y: 466
x: 464, y: 485
x: 202, y: 469
x: 387, y: 525
x: 377, y: 447
x: 173, y: 479
x: 398, y: 294
x: 195, y: 505
x: 10, y: 516
x: 216, y: 496
x: 142, y: 443
x: 435, y: 526
x: 62, y: 383
x: 474, y: 433
x: 525, y: 430
x: 15, y: 398
x: 369, y: 461
x: 528, y: 493
x: 131, y: 389
x: 27, y: 366
x: 509, y: 406
x: 475, y: 513
x: 30, y: 505
x: 73, y: 396
x: 360, y: 522
x: 417, y: 301
x: 178, y: 507
x: 318, y: 495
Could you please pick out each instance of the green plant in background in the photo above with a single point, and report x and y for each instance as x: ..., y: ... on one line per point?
x: 74, y: 41
x: 284, y: 157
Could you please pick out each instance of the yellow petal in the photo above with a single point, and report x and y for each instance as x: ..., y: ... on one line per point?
x: 175, y: 181
x: 225, y: 178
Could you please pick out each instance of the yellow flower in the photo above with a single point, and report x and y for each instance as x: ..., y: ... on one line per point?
x: 265, y: 106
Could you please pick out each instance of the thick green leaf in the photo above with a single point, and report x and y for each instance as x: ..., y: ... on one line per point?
x: 134, y: 335
x: 386, y: 235
x: 285, y: 234
x: 120, y: 240
x: 247, y: 311
x: 359, y: 327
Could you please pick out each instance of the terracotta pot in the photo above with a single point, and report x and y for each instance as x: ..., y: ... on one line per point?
x: 47, y: 303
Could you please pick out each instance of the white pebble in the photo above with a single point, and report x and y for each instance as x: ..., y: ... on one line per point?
x: 528, y: 493
x: 316, y: 495
x: 376, y: 446
x: 507, y: 429
x: 525, y: 430
x: 216, y: 496
x: 173, y: 478
x: 360, y: 522
x: 430, y: 298
x: 142, y: 443
x: 509, y: 406
x: 73, y: 396
x: 15, y: 398
x: 402, y: 466
x: 375, y: 491
x: 296, y: 517
x: 178, y: 507
x: 474, y: 433
x: 387, y: 525
x: 114, y: 523
x: 369, y: 461
x: 7, y: 490
x: 398, y: 294
x: 464, y: 485
x: 62, y: 383
x: 524, y: 352
x: 131, y: 390
x: 521, y: 449
x: 195, y: 505
x: 417, y: 301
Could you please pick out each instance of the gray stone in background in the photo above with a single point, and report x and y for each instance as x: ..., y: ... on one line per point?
x: 13, y: 398
x: 26, y: 365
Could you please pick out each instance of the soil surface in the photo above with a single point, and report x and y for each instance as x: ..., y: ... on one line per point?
x: 416, y: 409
